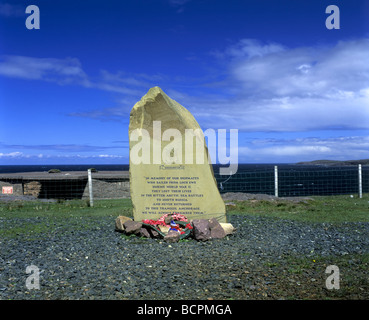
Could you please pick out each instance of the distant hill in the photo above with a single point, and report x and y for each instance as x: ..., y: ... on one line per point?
x: 335, y: 162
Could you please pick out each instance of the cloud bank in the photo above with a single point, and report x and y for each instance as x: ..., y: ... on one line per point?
x: 68, y: 71
x: 299, y: 149
x: 275, y: 88
x: 11, y: 10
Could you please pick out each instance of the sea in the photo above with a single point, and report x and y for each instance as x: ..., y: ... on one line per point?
x: 62, y: 167
x: 290, y: 179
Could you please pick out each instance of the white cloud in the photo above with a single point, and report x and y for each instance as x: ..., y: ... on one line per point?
x: 178, y: 4
x: 295, y: 150
x: 109, y: 156
x: 10, y: 10
x: 304, y: 71
x: 270, y: 87
x: 11, y: 155
x: 252, y: 48
x: 300, y: 149
x: 66, y: 71
x: 21, y: 155
x: 49, y: 69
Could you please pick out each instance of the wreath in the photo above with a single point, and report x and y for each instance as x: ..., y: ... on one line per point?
x: 178, y: 223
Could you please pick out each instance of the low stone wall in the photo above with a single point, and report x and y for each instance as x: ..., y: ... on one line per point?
x: 72, y: 185
x: 108, y: 189
x: 16, y: 184
x: 32, y: 188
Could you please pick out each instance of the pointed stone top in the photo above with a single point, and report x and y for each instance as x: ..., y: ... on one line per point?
x: 155, y: 105
x: 153, y: 92
x: 152, y: 95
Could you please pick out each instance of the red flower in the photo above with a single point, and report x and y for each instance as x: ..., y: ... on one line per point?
x: 152, y: 222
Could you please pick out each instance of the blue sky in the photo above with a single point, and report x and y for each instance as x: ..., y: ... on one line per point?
x: 295, y: 90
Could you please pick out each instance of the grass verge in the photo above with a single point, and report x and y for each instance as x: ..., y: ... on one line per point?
x: 57, y: 215
x: 36, y: 218
x: 62, y: 209
x: 332, y: 209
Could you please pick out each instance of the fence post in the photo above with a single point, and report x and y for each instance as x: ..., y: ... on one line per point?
x: 90, y: 188
x: 276, y: 181
x: 360, y: 182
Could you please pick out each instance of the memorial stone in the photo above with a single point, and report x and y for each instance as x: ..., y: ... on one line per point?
x: 170, y: 169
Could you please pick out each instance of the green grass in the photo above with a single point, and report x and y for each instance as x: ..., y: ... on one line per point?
x: 320, y: 209
x: 333, y: 209
x: 61, y: 216
x: 61, y: 209
x: 354, y: 282
x: 66, y: 215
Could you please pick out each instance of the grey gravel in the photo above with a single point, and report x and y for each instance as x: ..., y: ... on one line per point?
x: 96, y: 262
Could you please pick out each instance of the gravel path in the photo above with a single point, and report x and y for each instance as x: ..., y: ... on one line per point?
x: 87, y: 259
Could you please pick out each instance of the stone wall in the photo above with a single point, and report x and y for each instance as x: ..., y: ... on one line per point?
x: 16, y: 184
x: 32, y: 188
x: 103, y: 188
x: 108, y: 189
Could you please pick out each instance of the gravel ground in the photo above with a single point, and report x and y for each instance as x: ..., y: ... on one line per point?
x: 265, y: 259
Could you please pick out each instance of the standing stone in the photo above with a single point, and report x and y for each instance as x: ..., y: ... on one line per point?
x: 170, y: 169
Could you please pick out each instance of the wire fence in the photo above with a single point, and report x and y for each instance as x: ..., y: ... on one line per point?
x: 278, y: 181
x: 289, y: 182
x: 67, y: 188
x: 257, y: 181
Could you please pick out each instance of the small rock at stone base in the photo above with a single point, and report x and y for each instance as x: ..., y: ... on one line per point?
x: 145, y: 233
x: 216, y: 230
x: 201, y: 230
x: 154, y: 233
x: 132, y: 227
x: 119, y: 221
x: 230, y: 204
x: 164, y: 229
x: 168, y: 219
x: 172, y: 236
x: 228, y: 228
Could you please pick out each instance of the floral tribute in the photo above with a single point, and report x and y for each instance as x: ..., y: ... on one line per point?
x: 175, y: 221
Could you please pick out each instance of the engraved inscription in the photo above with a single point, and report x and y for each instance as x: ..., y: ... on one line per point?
x: 171, y: 194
